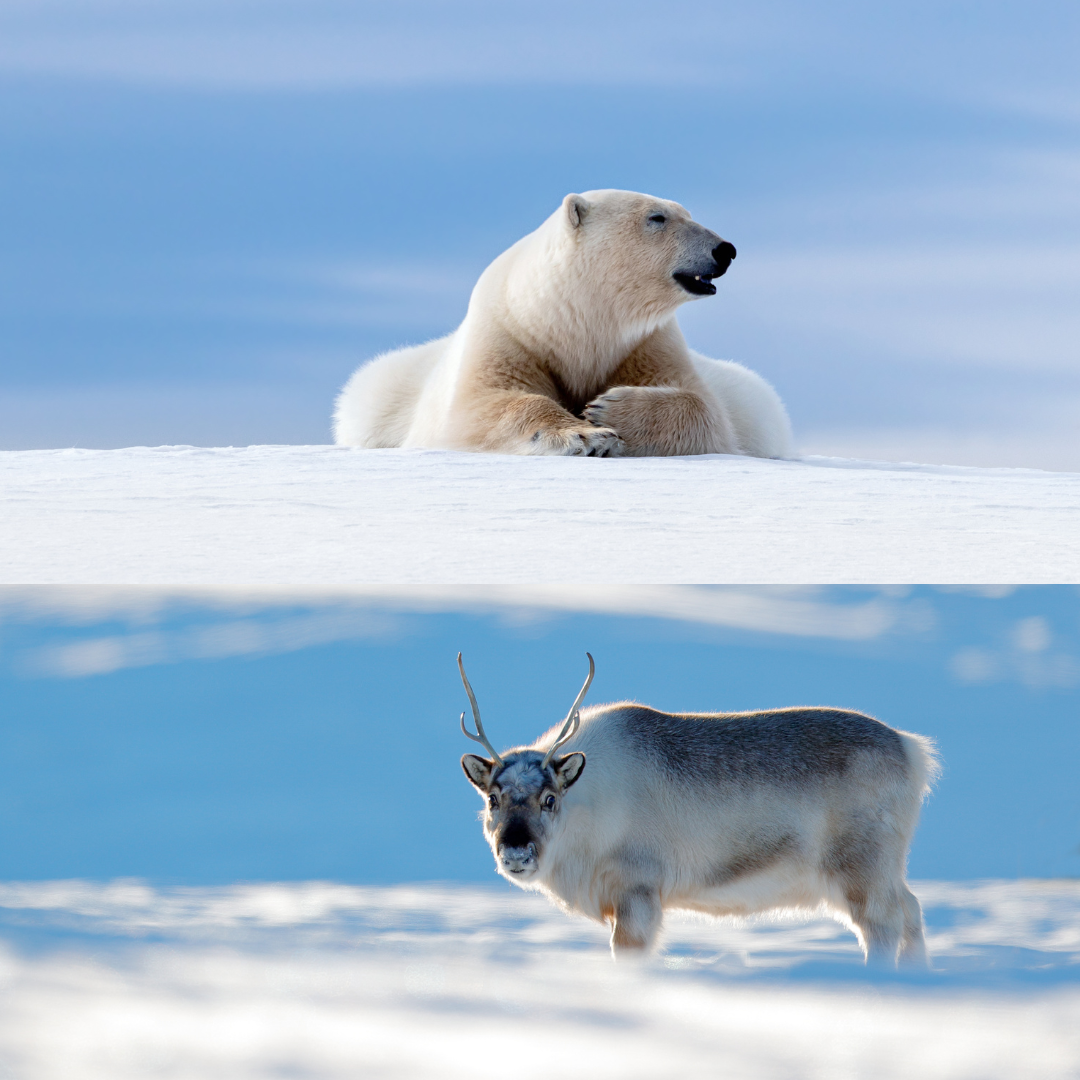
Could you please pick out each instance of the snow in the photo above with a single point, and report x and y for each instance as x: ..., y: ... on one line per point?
x: 328, y: 515
x: 327, y: 980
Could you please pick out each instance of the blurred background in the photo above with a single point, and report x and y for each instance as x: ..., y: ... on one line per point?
x: 212, y: 212
x: 204, y: 737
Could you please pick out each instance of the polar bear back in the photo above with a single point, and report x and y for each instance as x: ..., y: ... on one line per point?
x: 757, y: 414
x: 377, y: 405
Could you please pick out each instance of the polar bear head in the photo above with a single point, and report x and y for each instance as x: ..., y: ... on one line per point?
x: 652, y: 252
x: 615, y: 262
x: 655, y: 244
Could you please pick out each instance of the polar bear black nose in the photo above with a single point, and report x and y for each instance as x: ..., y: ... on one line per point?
x: 723, y: 253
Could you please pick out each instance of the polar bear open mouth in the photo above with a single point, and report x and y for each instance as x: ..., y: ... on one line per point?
x: 698, y: 284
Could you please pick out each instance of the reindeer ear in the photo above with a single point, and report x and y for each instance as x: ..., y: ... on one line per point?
x: 576, y: 207
x: 478, y: 770
x: 568, y: 769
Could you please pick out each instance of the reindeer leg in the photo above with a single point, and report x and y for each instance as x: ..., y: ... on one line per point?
x: 637, y: 921
x: 879, y: 917
x: 913, y: 944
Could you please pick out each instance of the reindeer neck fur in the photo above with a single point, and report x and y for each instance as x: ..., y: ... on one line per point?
x: 575, y: 870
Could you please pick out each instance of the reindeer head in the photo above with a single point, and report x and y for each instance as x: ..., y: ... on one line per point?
x: 523, y: 791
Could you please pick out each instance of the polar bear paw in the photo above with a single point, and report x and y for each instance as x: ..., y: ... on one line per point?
x: 616, y: 408
x: 584, y: 441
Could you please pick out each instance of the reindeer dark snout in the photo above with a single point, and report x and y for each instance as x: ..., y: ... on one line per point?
x: 517, y: 849
x: 516, y: 833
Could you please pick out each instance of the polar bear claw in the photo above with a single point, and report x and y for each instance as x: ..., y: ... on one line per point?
x: 588, y: 441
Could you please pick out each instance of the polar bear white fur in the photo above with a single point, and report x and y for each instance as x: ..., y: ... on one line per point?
x: 571, y: 346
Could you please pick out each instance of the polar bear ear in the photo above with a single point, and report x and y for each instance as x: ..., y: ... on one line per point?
x: 576, y: 207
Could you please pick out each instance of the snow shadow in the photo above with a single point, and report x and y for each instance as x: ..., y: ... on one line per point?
x: 320, y: 979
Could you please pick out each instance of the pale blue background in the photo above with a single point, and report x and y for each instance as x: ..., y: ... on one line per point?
x: 211, y: 212
x: 339, y: 760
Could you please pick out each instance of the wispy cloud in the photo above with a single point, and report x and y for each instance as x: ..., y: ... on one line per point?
x: 775, y: 44
x: 1029, y: 654
x: 94, y: 630
x: 229, y: 637
x: 156, y: 623
x: 950, y: 303
x: 329, y: 44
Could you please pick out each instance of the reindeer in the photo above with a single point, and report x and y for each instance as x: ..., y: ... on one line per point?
x: 731, y: 814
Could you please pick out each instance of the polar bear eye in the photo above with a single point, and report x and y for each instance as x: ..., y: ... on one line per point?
x: 658, y: 218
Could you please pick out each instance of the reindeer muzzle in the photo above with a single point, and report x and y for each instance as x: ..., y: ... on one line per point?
x: 519, y: 860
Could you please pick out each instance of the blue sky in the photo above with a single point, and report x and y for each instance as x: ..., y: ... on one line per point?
x: 219, y: 735
x: 212, y: 212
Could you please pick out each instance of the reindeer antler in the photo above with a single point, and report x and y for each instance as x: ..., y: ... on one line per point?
x: 573, y: 717
x: 480, y: 736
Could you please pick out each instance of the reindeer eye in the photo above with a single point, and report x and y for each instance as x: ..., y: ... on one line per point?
x: 549, y: 803
x: 493, y: 802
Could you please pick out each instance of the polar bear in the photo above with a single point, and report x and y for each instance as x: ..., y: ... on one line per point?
x: 571, y: 346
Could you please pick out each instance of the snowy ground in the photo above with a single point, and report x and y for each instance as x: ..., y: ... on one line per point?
x: 316, y: 514
x: 123, y: 982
